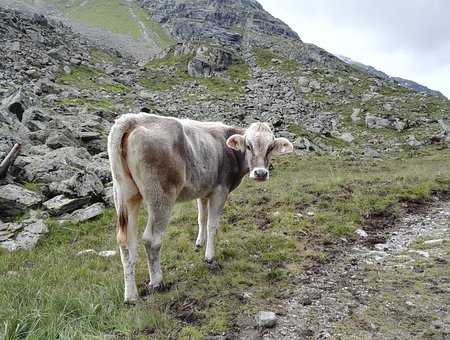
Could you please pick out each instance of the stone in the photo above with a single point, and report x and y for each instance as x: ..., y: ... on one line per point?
x: 15, y: 200
x: 208, y: 60
x: 355, y: 115
x: 432, y: 243
x: 86, y: 252
x: 59, y: 139
x: 85, y: 214
x: 324, y: 123
x: 67, y: 69
x: 103, y: 253
x: 381, y: 246
x: 57, y: 53
x: 82, y: 184
x: 346, y: 137
x: 107, y: 253
x: 266, y: 319
x: 361, y: 233
x: 108, y: 196
x: 374, y: 122
x: 30, y: 232
x: 60, y: 204
x: 413, y: 142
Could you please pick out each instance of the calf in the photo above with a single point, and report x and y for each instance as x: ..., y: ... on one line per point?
x: 160, y: 161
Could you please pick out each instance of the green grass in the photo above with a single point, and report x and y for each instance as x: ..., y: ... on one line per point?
x: 164, y: 40
x: 101, y: 56
x: 268, y: 233
x: 84, y: 77
x: 230, y: 83
x: 33, y: 186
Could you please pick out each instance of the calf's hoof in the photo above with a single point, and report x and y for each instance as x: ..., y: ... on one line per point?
x: 198, y: 247
x: 130, y: 301
x: 159, y: 288
x: 213, y: 265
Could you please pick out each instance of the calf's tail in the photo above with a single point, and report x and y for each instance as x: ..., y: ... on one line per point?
x: 117, y: 148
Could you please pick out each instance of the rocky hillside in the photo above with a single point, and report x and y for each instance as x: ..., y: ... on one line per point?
x: 400, y: 81
x: 232, y: 62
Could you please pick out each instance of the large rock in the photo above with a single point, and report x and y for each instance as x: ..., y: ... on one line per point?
x: 15, y: 200
x: 81, y: 184
x: 209, y: 60
x: 374, y: 122
x: 52, y: 166
x: 266, y: 319
x: 85, y: 214
x: 60, y: 204
x: 324, y: 123
x: 23, y: 235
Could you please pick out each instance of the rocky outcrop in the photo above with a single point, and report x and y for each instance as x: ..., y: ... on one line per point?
x: 208, y: 60
x: 16, y: 200
x: 213, y: 20
x: 23, y: 235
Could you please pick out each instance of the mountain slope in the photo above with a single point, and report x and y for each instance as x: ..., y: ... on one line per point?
x: 400, y: 81
x: 119, y: 24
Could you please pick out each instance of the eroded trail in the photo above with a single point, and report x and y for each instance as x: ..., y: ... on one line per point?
x: 395, y: 290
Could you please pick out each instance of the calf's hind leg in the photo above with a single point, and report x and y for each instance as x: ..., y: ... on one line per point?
x: 158, y: 219
x: 129, y: 251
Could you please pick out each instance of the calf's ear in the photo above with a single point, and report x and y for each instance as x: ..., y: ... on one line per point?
x: 283, y: 146
x: 236, y: 142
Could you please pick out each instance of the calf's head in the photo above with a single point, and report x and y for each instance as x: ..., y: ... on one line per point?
x: 258, y: 144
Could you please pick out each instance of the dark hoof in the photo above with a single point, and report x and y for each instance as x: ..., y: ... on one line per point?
x: 130, y: 303
x: 213, y: 265
x: 162, y: 287
x: 197, y: 248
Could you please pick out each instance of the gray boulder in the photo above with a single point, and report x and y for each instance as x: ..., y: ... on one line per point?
x: 15, y: 200
x: 209, y: 60
x: 85, y: 214
x: 60, y: 204
x: 323, y: 122
x: 82, y: 184
x: 266, y: 319
x: 52, y: 166
x: 374, y: 122
x: 24, y: 235
x: 108, y: 196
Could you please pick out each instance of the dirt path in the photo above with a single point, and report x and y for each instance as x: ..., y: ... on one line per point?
x: 399, y: 289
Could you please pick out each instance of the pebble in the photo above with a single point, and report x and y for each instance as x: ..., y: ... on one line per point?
x: 107, y: 253
x: 434, y: 242
x: 266, y: 319
x: 361, y: 233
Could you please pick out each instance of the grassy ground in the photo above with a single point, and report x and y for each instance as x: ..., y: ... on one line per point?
x: 268, y: 233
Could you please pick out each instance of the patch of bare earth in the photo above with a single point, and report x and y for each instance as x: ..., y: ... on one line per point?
x: 392, y: 284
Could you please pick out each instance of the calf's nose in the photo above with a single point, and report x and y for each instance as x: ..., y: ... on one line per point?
x: 261, y: 173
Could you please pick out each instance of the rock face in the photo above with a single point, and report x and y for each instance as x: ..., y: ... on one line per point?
x: 214, y: 20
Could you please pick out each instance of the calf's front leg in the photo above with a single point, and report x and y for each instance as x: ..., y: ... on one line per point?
x: 202, y: 205
x: 215, y: 207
